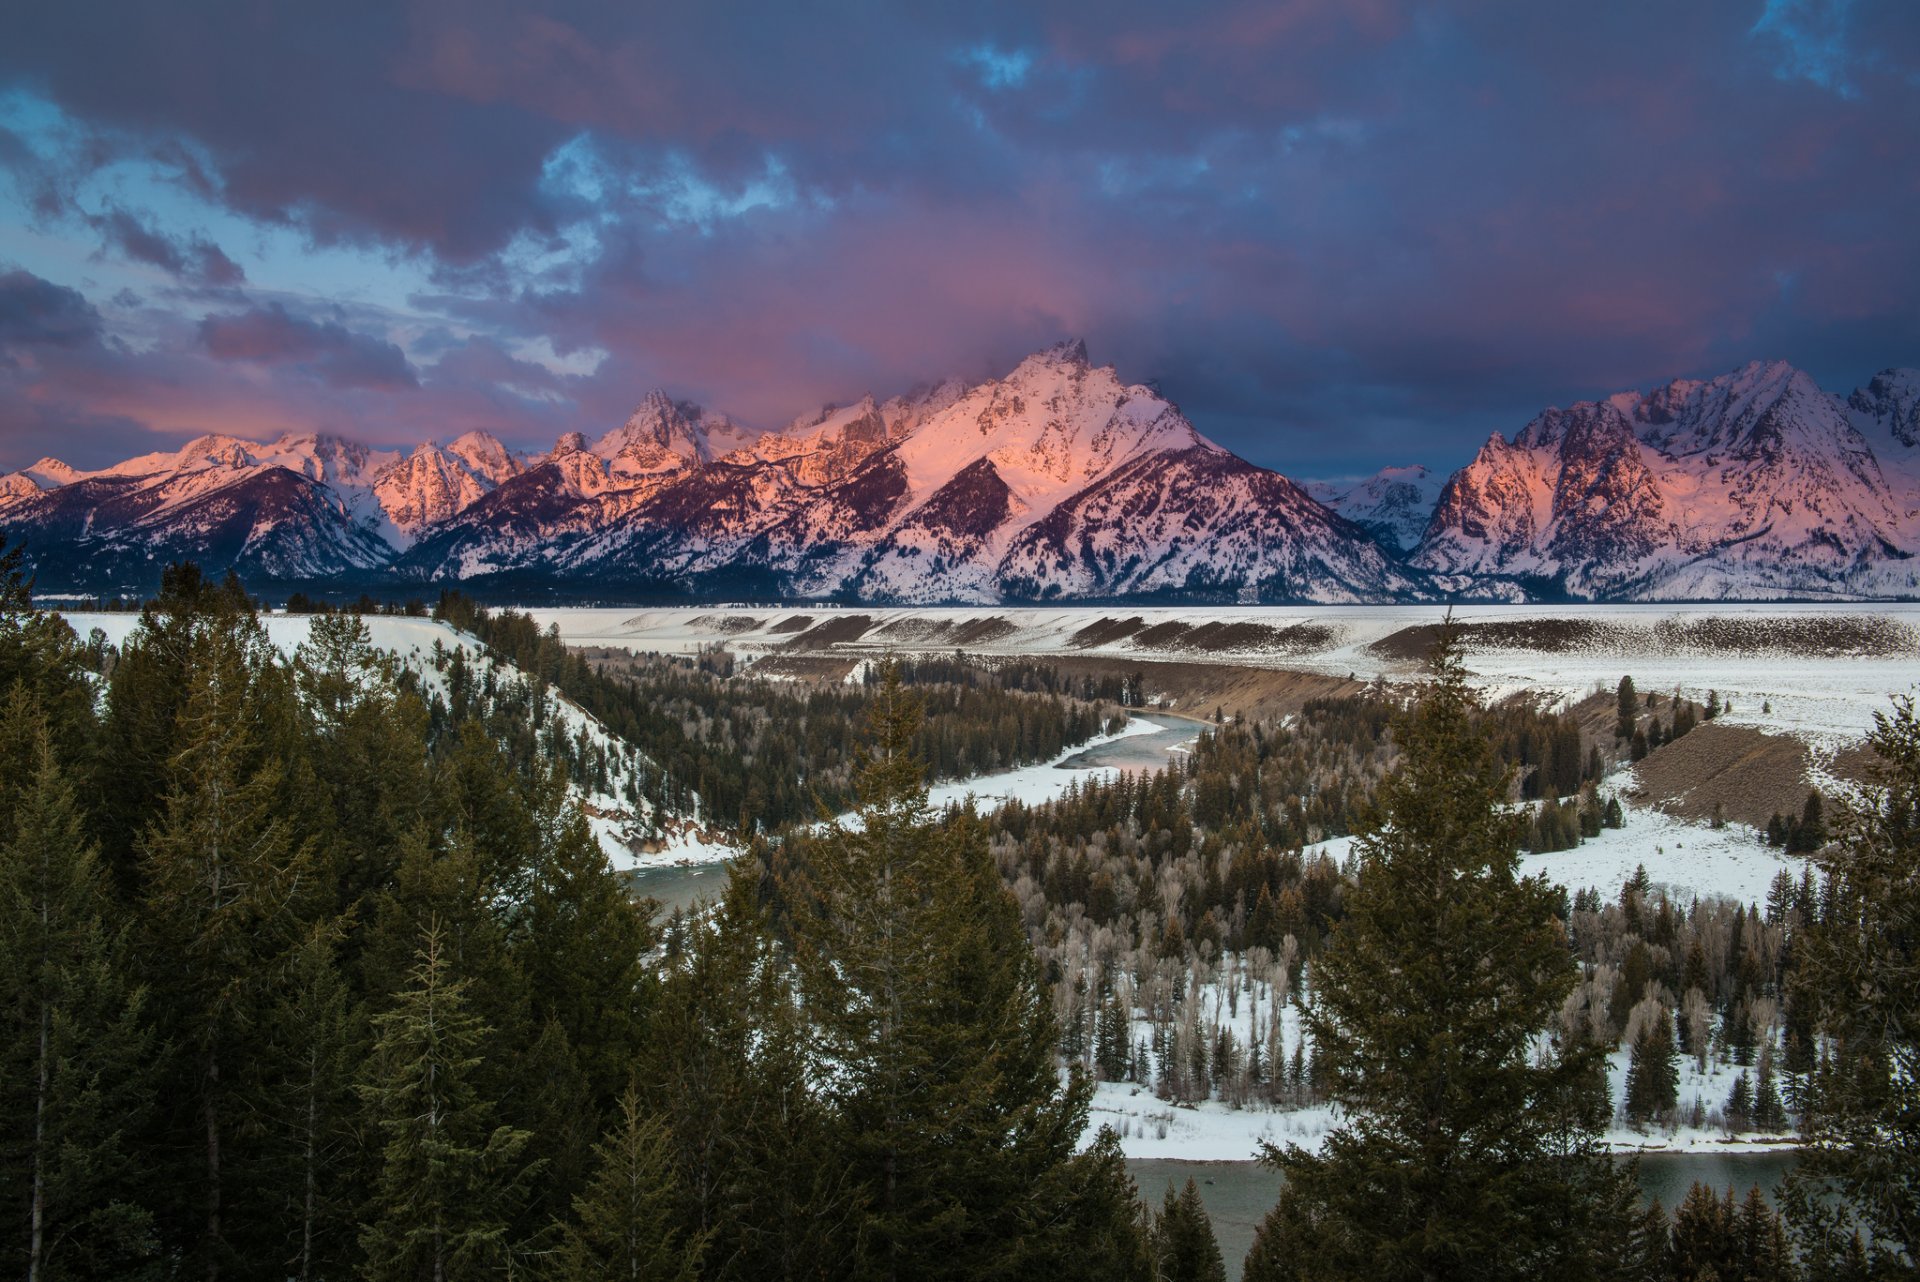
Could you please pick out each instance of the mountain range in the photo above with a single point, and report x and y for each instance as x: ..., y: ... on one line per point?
x: 1058, y: 481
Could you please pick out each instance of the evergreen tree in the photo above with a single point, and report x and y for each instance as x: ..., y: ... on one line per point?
x: 222, y: 868
x: 1184, y: 1248
x: 451, y: 1180
x: 625, y: 1222
x: 1461, y: 1155
x: 730, y: 1067
x: 931, y: 1011
x: 1859, y: 975
x: 309, y: 1160
x: 1653, y: 1071
x: 1629, y: 710
x: 75, y: 1081
x: 1183, y: 1240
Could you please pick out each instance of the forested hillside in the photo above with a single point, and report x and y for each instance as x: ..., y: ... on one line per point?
x: 312, y: 968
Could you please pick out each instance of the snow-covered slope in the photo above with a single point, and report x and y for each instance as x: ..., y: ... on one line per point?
x: 1393, y: 504
x: 1058, y: 481
x: 1754, y: 485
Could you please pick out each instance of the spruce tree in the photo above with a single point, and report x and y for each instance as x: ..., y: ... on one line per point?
x: 75, y: 1072
x: 1184, y: 1248
x: 938, y: 1030
x: 222, y: 869
x: 1859, y: 978
x: 1462, y: 1152
x: 451, y: 1181
x: 729, y: 1068
x: 1653, y: 1071
x: 312, y: 1112
x: 625, y: 1225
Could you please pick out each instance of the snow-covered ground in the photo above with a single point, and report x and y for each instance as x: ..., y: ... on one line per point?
x: 1687, y: 860
x: 1035, y: 785
x: 1824, y: 698
x: 412, y: 642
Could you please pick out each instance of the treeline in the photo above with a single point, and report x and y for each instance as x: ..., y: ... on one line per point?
x: 758, y: 755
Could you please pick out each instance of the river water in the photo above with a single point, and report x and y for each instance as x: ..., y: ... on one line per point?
x: 1238, y: 1195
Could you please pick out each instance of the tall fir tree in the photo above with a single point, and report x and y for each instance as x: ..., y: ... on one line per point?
x: 1859, y: 978
x: 1184, y: 1247
x: 76, y: 1079
x: 1653, y: 1071
x: 938, y: 1030
x: 222, y: 872
x: 730, y: 1069
x: 625, y: 1228
x: 1463, y: 1153
x: 451, y: 1180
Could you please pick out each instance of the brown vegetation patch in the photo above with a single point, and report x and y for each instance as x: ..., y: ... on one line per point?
x: 982, y: 631
x: 839, y: 629
x: 805, y: 667
x: 1548, y: 636
x: 731, y: 625
x: 1106, y: 632
x: 1746, y: 774
x: 1162, y: 636
x: 1821, y: 636
x: 797, y: 623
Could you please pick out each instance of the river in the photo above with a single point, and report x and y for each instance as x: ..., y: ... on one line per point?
x: 1238, y: 1195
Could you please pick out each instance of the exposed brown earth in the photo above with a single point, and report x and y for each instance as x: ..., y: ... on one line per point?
x: 959, y: 633
x: 1747, y: 774
x: 726, y: 624
x: 1825, y: 636
x: 837, y: 630
x: 1548, y: 636
x: 796, y: 623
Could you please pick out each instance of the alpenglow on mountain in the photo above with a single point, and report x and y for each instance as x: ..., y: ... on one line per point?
x: 1058, y: 482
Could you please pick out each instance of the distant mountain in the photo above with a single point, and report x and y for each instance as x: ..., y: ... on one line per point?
x: 1394, y: 504
x: 1753, y: 485
x: 1058, y: 482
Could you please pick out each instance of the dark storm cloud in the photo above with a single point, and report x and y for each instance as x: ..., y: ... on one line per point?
x: 36, y: 312
x: 194, y: 259
x: 336, y: 355
x: 1338, y: 232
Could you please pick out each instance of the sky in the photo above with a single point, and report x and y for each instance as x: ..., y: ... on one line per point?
x: 1339, y: 234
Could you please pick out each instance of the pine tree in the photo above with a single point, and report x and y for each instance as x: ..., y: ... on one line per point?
x: 222, y: 868
x: 625, y: 1225
x: 1705, y: 1243
x: 1184, y: 1248
x: 451, y: 1180
x: 1653, y: 1071
x: 1460, y: 1155
x: 1859, y: 975
x: 311, y: 1109
x: 940, y: 1033
x: 75, y: 1076
x: 730, y: 1067
x: 1629, y: 710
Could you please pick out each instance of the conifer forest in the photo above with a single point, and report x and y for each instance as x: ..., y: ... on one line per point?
x: 313, y: 965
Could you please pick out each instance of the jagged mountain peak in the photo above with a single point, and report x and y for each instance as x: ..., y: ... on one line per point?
x: 1889, y: 405
x: 1752, y: 483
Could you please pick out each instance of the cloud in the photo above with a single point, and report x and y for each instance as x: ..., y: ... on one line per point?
x: 1338, y: 233
x: 332, y: 353
x: 193, y: 259
x: 39, y: 313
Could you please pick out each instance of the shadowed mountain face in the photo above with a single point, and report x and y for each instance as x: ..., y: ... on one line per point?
x: 1058, y: 482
